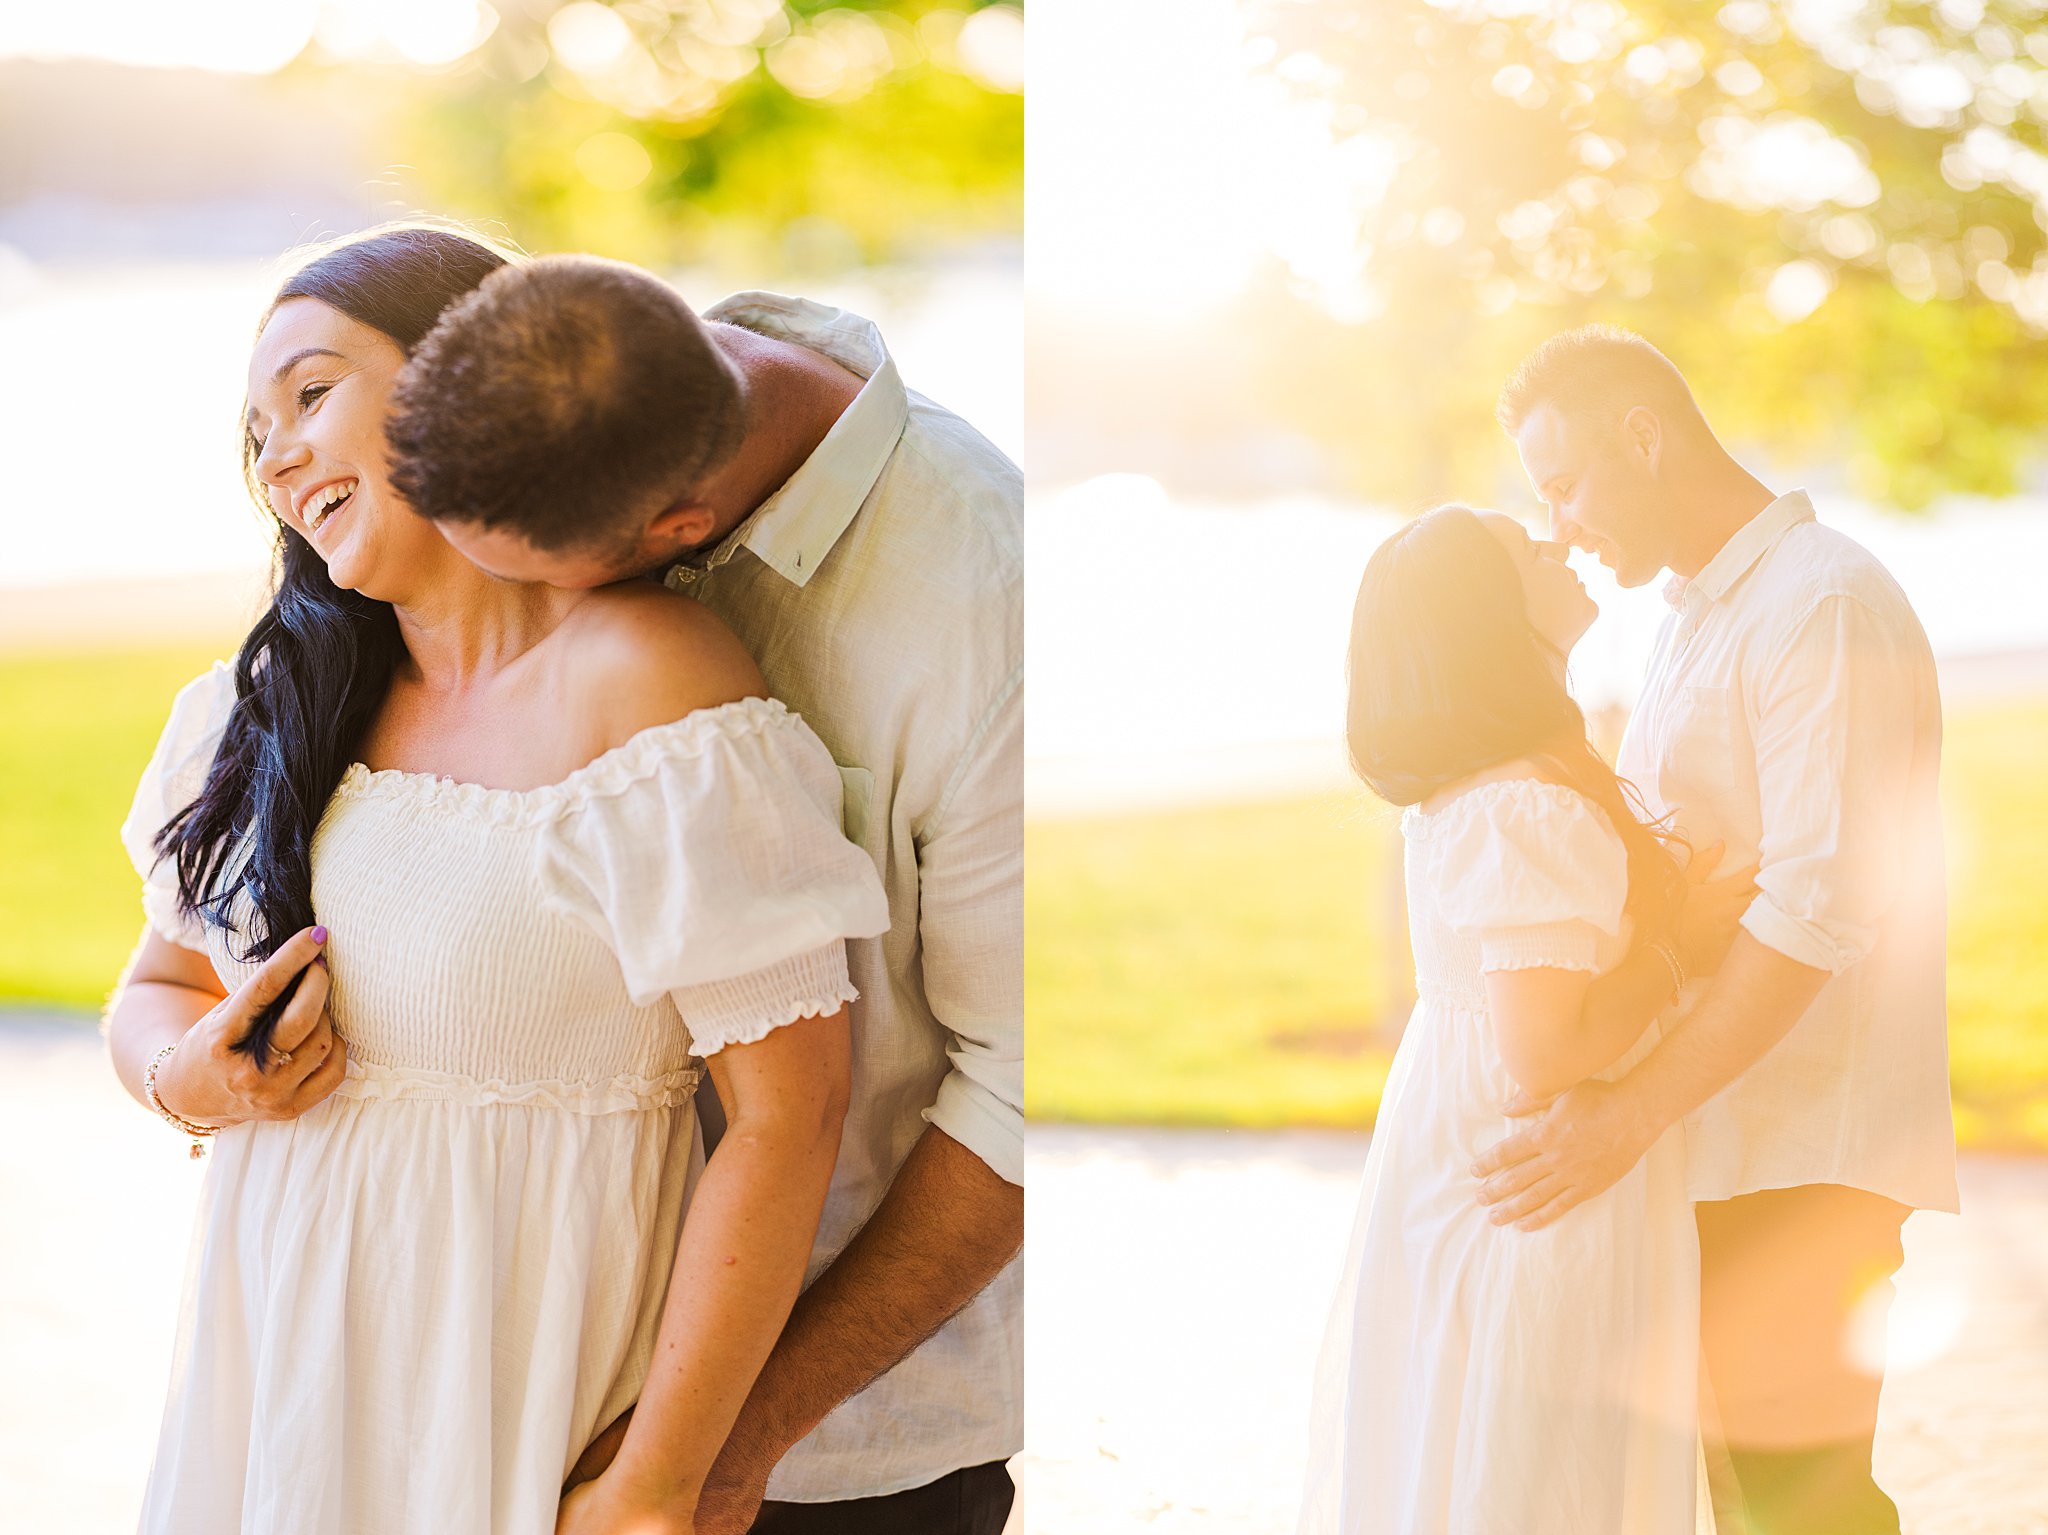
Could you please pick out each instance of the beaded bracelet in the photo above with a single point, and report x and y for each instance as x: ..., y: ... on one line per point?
x: 1669, y: 955
x: 199, y: 1133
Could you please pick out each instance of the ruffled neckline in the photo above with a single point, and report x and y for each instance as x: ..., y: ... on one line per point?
x: 609, y: 773
x: 1417, y: 822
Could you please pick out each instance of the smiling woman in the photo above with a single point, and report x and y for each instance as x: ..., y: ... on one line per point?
x: 320, y: 383
x: 305, y: 509
x: 298, y: 439
x: 318, y: 663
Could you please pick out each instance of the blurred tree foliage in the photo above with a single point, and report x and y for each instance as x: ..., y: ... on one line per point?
x: 799, y: 136
x: 1830, y: 215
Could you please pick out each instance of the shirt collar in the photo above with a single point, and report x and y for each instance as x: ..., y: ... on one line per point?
x: 795, y: 528
x: 1744, y: 549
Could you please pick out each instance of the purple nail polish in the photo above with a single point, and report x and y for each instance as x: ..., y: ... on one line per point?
x: 319, y: 935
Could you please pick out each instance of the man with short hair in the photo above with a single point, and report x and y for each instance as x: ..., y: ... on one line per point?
x: 574, y: 422
x: 1791, y: 712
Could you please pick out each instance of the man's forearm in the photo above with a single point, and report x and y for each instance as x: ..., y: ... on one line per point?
x: 1619, y: 1006
x: 946, y: 1228
x: 1757, y: 996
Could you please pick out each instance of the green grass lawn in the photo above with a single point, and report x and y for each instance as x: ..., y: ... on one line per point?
x: 1210, y: 966
x: 79, y: 729
x: 1227, y: 966
x: 1213, y: 966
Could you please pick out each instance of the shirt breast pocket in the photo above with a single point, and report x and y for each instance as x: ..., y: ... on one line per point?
x: 1699, y: 774
x: 856, y: 795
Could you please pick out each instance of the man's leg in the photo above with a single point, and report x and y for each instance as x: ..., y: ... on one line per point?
x: 1782, y: 1273
x: 972, y: 1501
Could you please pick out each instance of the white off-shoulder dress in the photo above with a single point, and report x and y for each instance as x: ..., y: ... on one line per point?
x: 407, y: 1311
x: 1476, y: 1379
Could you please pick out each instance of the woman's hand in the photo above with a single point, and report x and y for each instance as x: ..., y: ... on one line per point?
x: 1712, y: 913
x: 208, y: 1081
x: 611, y: 1505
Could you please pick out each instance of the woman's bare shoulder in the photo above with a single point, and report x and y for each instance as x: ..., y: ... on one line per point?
x: 639, y: 655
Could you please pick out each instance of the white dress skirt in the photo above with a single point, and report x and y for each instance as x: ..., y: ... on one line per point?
x: 408, y: 1311
x: 1476, y: 1379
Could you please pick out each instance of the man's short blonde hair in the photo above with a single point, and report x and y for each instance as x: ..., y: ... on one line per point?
x: 1595, y: 370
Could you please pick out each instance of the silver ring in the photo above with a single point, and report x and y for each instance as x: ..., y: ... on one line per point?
x: 281, y: 1057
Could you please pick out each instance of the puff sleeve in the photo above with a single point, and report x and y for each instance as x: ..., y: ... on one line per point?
x: 175, y: 775
x: 708, y: 855
x: 1535, y: 872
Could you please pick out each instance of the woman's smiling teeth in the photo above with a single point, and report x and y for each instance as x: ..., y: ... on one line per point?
x: 325, y: 501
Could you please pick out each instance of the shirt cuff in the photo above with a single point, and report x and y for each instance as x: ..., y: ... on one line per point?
x: 1800, y: 938
x: 980, y: 1120
x: 747, y: 1008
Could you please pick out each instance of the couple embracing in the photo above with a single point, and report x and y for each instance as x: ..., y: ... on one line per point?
x: 1678, y: 1068
x: 585, y: 923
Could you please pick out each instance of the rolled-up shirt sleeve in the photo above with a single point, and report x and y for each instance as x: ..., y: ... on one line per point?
x: 971, y: 923
x: 1835, y: 741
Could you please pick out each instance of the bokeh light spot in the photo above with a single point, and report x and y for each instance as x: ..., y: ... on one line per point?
x: 613, y: 162
x: 991, y: 47
x: 588, y: 37
x: 1797, y: 289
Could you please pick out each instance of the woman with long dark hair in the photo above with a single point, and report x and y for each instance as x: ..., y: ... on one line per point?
x: 1480, y: 1377
x: 456, y: 889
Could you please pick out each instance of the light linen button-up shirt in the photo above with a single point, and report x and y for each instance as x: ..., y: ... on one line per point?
x: 1791, y: 710
x: 881, y: 590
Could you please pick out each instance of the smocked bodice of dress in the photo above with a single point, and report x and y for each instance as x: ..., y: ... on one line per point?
x: 576, y: 944
x: 489, y: 987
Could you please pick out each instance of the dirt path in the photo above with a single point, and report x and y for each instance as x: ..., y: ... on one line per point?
x: 1176, y: 1290
x: 1177, y: 1282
